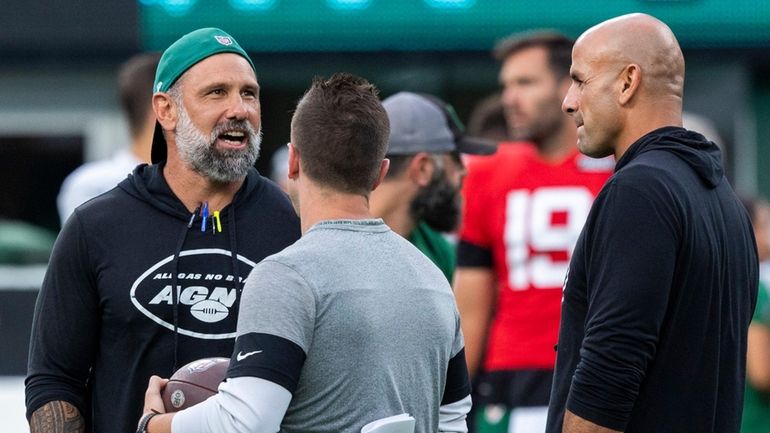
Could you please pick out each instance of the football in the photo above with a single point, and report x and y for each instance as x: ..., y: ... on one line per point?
x: 194, y: 383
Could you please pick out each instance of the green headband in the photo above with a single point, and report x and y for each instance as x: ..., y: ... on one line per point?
x: 191, y: 49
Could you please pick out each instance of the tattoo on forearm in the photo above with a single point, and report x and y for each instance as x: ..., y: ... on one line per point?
x: 57, y: 417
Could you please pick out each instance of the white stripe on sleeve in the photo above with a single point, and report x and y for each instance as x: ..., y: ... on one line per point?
x: 451, y: 417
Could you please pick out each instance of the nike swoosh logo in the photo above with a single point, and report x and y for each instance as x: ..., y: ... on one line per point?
x: 241, y: 356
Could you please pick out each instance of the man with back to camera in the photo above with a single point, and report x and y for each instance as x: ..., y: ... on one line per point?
x: 663, y: 282
x: 135, y: 76
x: 198, y: 219
x: 524, y: 208
x: 420, y: 195
x: 350, y: 324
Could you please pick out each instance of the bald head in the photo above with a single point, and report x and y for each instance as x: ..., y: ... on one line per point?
x: 627, y: 80
x: 642, y: 40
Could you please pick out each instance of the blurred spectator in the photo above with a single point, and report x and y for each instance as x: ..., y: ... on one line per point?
x: 704, y: 125
x: 420, y: 196
x: 279, y: 167
x: 487, y: 119
x: 756, y: 405
x: 524, y: 209
x: 135, y: 80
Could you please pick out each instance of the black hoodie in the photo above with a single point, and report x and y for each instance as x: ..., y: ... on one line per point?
x: 106, y: 317
x: 659, y: 295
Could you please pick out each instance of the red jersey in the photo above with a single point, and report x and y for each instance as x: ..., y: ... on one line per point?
x: 527, y: 214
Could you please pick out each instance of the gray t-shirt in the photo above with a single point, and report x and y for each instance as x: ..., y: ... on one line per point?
x: 356, y: 323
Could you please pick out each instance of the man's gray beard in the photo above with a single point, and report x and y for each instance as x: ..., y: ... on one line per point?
x: 200, y: 153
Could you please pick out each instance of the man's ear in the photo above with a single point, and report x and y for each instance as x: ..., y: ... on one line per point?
x: 165, y: 110
x: 293, y: 162
x: 630, y: 80
x: 384, y: 166
x: 420, y: 169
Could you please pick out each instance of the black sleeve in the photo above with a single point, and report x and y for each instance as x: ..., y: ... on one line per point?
x: 267, y: 357
x: 65, y: 325
x: 473, y: 256
x: 458, y: 385
x: 632, y: 248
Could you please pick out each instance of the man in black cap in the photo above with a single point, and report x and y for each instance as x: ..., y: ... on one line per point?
x: 420, y: 196
x: 148, y: 276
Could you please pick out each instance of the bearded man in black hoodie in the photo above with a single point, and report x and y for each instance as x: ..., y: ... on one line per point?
x: 148, y: 276
x: 663, y: 280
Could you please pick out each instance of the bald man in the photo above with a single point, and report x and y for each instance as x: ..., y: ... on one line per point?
x: 663, y: 280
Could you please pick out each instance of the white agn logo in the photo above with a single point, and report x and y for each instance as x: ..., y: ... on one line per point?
x: 208, y: 306
x: 208, y: 297
x: 541, y: 229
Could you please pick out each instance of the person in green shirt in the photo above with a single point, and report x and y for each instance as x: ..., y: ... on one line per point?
x: 420, y: 196
x: 756, y: 402
x: 434, y: 245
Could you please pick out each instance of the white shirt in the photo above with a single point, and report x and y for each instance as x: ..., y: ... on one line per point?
x: 92, y: 179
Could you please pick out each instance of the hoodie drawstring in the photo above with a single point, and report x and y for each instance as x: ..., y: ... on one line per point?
x: 175, y: 295
x: 175, y: 284
x: 234, y: 250
x: 175, y: 266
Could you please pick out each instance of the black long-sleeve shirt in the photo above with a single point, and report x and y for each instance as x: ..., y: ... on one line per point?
x: 659, y: 295
x: 107, y: 317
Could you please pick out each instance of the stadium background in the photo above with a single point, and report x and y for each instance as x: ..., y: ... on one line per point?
x: 58, y: 103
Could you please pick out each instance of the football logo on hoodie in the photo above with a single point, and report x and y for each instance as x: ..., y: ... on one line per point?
x: 206, y: 301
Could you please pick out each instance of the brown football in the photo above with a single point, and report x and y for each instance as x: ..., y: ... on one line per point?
x: 194, y: 383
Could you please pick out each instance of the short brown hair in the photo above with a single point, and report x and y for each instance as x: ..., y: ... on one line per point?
x: 340, y: 130
x: 135, y: 79
x: 557, y: 45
